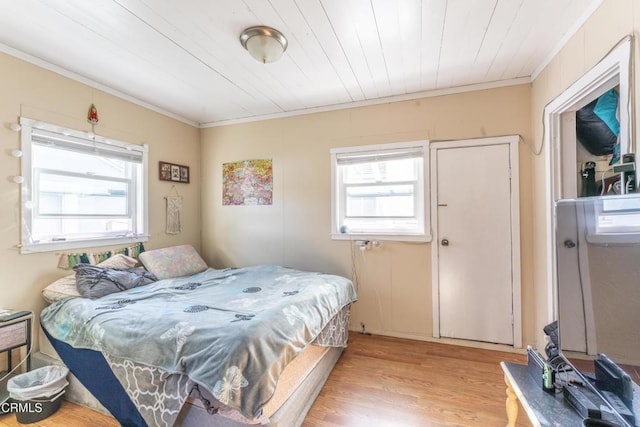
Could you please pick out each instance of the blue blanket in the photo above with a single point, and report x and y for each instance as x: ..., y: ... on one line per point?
x: 231, y: 331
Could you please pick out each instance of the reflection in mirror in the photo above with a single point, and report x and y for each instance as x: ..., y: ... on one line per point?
x: 598, y: 288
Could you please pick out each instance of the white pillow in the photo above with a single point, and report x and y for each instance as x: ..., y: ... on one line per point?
x: 61, y: 288
x: 119, y: 261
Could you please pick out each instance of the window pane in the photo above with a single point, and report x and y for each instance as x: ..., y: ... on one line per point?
x: 69, y: 228
x: 384, y: 171
x: 71, y: 195
x: 50, y: 157
x: 380, y: 225
x: 380, y: 201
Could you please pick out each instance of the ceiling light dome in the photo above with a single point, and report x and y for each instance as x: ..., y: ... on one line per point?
x: 265, y: 44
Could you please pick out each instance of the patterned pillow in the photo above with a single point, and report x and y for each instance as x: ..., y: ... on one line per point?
x: 175, y: 261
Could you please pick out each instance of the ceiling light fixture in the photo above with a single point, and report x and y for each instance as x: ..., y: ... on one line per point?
x: 265, y: 44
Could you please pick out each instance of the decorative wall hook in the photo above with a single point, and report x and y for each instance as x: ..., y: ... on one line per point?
x: 92, y: 115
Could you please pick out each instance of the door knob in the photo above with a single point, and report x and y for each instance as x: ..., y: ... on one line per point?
x: 444, y: 242
x: 569, y: 244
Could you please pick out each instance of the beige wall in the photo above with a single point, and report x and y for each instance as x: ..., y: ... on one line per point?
x: 394, y: 280
x: 611, y: 22
x: 43, y: 95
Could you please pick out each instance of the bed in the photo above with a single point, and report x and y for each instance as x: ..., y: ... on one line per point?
x: 224, y: 347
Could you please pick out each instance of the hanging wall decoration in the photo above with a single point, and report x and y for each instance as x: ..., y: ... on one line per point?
x: 69, y: 260
x: 92, y: 115
x: 249, y: 182
x: 174, y: 213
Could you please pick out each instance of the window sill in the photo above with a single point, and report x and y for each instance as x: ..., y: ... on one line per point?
x: 423, y: 238
x: 78, y: 244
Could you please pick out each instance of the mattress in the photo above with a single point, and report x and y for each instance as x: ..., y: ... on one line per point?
x: 299, y: 385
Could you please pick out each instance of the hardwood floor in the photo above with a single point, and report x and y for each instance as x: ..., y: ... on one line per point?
x: 389, y: 382
x: 69, y: 415
x: 381, y: 381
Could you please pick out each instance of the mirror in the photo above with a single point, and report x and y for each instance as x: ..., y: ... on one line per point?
x: 598, y: 271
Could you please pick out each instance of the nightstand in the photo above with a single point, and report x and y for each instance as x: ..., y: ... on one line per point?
x: 15, y: 332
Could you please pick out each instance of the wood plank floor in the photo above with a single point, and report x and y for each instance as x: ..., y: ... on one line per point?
x: 387, y: 382
x: 382, y: 381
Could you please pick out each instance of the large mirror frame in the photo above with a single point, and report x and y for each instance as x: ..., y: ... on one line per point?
x: 560, y: 158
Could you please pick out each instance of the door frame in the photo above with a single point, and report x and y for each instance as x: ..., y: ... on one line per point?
x: 513, y: 141
x: 614, y: 69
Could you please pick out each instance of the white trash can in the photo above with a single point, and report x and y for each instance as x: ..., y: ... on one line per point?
x: 37, y: 394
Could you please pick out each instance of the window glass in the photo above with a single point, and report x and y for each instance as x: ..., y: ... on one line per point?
x: 380, y: 171
x: 60, y: 194
x: 58, y: 158
x: 380, y: 201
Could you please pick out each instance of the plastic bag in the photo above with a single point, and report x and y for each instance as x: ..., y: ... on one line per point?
x: 42, y: 382
x: 593, y: 133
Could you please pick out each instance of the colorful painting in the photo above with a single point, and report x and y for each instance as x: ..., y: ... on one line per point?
x: 249, y: 182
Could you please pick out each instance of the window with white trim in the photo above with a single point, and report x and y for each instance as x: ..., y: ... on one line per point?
x: 80, y: 190
x: 381, y: 192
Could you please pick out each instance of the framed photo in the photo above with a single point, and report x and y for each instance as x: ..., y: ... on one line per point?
x: 184, y: 174
x: 173, y: 172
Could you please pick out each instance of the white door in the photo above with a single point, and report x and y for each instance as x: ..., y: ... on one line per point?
x: 475, y: 245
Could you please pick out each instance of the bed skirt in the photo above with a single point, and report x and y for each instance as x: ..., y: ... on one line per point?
x: 297, y: 389
x: 193, y: 414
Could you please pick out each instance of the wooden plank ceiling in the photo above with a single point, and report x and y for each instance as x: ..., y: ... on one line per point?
x: 184, y: 58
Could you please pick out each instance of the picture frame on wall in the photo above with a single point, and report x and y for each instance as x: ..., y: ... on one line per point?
x: 184, y: 174
x: 173, y: 172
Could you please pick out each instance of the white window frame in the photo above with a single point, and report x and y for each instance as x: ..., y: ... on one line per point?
x: 137, y: 208
x: 422, y: 206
